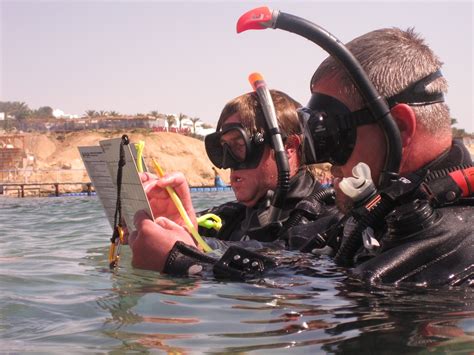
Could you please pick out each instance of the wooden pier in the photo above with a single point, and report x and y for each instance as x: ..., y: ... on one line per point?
x: 22, y: 187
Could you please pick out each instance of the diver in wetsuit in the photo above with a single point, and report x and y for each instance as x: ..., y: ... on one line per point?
x: 242, y: 143
x: 423, y: 234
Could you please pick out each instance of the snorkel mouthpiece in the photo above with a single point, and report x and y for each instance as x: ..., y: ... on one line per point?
x: 257, y: 19
x: 361, y: 185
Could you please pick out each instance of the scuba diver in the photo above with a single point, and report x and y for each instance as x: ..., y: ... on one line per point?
x: 423, y: 234
x: 243, y: 144
x: 378, y: 115
x: 415, y: 228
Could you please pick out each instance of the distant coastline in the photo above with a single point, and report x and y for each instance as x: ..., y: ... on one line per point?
x: 51, y: 158
x: 54, y: 157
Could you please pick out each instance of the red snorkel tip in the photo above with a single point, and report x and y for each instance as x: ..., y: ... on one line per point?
x: 256, y: 19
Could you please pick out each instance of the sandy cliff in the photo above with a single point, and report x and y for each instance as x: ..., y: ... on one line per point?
x: 56, y: 156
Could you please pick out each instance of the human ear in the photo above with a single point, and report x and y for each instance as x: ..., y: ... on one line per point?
x: 405, y: 119
x: 293, y: 151
x: 292, y: 145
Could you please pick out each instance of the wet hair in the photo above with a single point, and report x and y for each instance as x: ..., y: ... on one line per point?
x: 251, y: 115
x: 393, y: 59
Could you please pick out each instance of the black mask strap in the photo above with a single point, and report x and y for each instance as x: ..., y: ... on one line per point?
x: 413, y: 95
x: 416, y: 94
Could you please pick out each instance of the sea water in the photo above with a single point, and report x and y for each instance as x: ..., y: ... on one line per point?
x: 57, y: 295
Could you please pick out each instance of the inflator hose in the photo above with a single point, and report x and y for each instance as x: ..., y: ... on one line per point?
x: 283, y: 185
x: 320, y: 195
x: 350, y: 245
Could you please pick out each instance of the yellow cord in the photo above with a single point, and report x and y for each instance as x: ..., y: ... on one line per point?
x: 139, y: 147
x: 182, y: 211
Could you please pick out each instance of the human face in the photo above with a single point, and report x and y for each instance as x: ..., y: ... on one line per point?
x: 370, y: 146
x: 250, y: 185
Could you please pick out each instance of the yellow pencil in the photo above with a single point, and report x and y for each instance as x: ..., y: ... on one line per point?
x: 181, y: 210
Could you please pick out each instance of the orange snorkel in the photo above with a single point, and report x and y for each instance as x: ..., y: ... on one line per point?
x: 265, y: 99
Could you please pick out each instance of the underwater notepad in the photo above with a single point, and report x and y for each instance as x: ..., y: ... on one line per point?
x: 101, y: 163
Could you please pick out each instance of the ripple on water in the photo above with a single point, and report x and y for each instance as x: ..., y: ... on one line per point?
x: 57, y: 293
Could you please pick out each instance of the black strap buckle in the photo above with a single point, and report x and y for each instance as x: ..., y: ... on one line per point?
x: 240, y: 264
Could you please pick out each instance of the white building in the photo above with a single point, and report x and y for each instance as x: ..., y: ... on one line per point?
x: 58, y: 113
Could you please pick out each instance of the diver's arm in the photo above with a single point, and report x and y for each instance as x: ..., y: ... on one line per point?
x: 236, y: 263
x: 165, y: 246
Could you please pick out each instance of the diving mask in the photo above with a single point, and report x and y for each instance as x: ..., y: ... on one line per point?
x: 233, y: 147
x: 330, y: 128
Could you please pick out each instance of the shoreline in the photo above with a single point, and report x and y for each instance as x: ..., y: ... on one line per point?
x: 34, y: 190
x: 53, y: 158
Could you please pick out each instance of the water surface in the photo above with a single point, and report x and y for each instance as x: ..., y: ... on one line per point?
x: 57, y: 295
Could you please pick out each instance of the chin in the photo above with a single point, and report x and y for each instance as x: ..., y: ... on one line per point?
x: 245, y: 200
x: 242, y: 200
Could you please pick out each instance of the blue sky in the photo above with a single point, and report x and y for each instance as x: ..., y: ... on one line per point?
x: 139, y: 56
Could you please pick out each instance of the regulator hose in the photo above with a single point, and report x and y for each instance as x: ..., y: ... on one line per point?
x: 374, y: 219
x: 320, y: 195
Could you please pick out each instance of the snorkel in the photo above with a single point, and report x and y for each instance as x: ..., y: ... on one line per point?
x: 263, y: 17
x: 276, y: 141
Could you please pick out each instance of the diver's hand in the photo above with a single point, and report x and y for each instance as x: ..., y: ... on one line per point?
x: 160, y: 201
x: 152, y: 242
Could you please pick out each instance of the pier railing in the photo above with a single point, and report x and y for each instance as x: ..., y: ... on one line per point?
x: 39, y: 182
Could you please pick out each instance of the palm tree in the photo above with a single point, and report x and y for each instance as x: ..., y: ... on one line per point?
x: 114, y: 114
x: 103, y: 113
x: 91, y: 113
x: 154, y: 114
x: 15, y: 108
x: 194, y: 120
x: 171, y: 120
x: 181, y: 117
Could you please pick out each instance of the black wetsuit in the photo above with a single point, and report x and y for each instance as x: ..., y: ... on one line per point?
x: 240, y: 223
x: 307, y: 201
x: 435, y: 250
x: 442, y: 253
